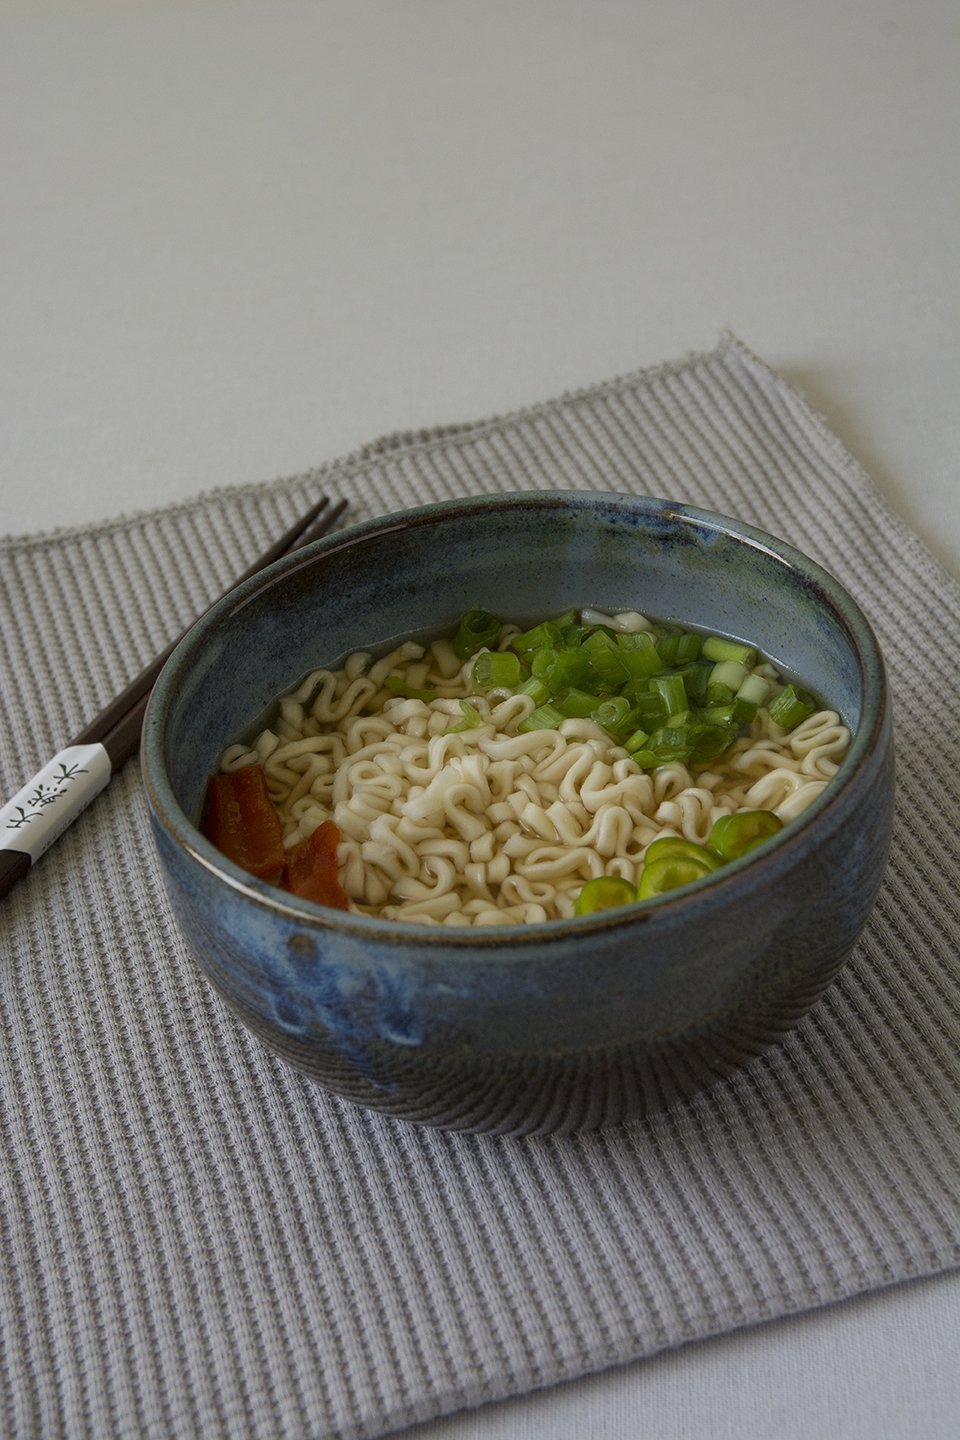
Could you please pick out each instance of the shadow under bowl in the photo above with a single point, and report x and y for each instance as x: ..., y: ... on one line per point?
x: 570, y: 1024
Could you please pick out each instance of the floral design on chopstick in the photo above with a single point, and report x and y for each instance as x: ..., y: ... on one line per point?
x: 44, y: 793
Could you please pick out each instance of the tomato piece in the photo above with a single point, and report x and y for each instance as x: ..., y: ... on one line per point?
x: 240, y: 819
x: 313, y: 868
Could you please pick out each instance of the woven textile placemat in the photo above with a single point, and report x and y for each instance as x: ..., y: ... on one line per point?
x: 197, y: 1241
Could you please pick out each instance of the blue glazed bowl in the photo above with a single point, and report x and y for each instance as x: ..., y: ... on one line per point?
x: 572, y: 1023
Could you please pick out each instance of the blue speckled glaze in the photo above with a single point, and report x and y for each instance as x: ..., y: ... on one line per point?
x: 546, y: 1027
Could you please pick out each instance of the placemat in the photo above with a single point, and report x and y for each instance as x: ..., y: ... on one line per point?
x: 198, y: 1241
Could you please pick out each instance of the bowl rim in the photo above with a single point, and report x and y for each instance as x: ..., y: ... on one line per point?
x: 744, y: 875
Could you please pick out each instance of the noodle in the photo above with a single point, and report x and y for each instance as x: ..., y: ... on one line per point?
x: 445, y: 824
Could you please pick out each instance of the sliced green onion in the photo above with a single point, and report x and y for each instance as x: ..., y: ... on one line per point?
x: 543, y: 660
x: 614, y: 714
x: 648, y: 704
x: 476, y: 629
x: 574, y: 669
x: 671, y: 690
x: 636, y: 740
x: 640, y: 664
x: 397, y: 686
x: 679, y: 649
x: 572, y: 636
x: 640, y: 640
x: 536, y: 689
x: 545, y: 717
x: 718, y: 647
x: 754, y: 690
x: 667, y: 648
x: 726, y: 677
x: 743, y: 712
x: 669, y: 873
x: 577, y: 704
x: 717, y: 714
x: 604, y: 892
x: 606, y: 657
x: 790, y: 707
x: 677, y: 845
x: 497, y: 669
x: 472, y: 719
x: 688, y: 648
x: 711, y: 741
x: 695, y: 677
x: 547, y: 633
x: 733, y: 835
x: 670, y: 742
x: 646, y: 759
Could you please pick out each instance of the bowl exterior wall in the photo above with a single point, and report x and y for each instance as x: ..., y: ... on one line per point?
x: 540, y: 1028
x: 531, y: 1036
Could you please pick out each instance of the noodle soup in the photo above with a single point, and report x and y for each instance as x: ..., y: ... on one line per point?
x: 509, y: 775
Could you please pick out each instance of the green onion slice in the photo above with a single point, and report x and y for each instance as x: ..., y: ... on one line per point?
x: 536, y: 689
x: 718, y: 647
x: 476, y: 629
x: 577, y: 704
x: 545, y: 634
x: 497, y: 669
x: 397, y: 686
x: 544, y: 717
x: 790, y: 707
x: 472, y: 720
x: 671, y: 690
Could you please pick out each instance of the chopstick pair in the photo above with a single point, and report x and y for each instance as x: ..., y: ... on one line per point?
x: 43, y: 809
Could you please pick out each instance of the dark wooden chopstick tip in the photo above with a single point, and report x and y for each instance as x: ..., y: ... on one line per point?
x: 14, y: 864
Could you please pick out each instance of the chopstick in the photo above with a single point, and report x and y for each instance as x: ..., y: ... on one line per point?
x: 40, y: 812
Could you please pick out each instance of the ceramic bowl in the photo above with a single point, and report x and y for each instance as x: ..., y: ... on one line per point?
x: 572, y: 1023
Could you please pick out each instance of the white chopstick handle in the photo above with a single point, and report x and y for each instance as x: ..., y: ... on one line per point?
x: 53, y: 799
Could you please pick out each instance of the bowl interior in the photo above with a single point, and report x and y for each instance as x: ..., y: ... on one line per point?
x: 523, y: 557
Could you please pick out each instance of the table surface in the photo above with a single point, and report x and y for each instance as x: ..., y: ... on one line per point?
x: 240, y: 239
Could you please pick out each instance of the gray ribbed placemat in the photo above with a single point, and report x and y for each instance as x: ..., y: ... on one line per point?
x: 197, y: 1241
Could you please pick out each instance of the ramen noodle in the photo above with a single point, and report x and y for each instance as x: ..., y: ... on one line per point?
x: 459, y: 805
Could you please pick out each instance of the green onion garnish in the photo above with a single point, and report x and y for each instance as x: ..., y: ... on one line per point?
x: 695, y: 677
x: 476, y: 629
x: 545, y: 717
x: 606, y: 657
x: 614, y: 715
x: 664, y: 693
x: 397, y: 686
x: 790, y: 707
x: 472, y: 719
x: 725, y: 680
x: 671, y: 690
x: 546, y: 633
x: 718, y: 647
x: 536, y: 689
x: 577, y: 704
x: 754, y: 690
x: 671, y: 742
x: 497, y: 669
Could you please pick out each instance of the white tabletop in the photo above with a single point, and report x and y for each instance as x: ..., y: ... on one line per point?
x: 238, y: 239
